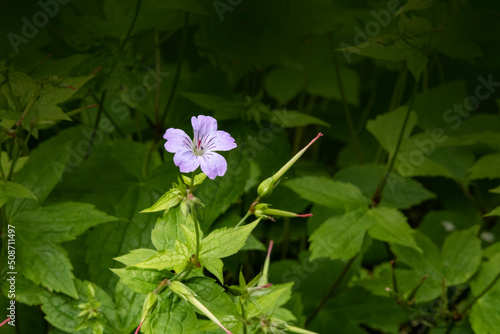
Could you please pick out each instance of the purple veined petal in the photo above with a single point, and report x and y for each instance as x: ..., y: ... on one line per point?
x: 203, y: 127
x: 213, y: 164
x: 186, y: 161
x: 177, y: 140
x: 222, y: 141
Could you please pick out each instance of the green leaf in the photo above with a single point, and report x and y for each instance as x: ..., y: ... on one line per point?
x: 171, y: 315
x: 136, y: 256
x: 494, y: 212
x: 216, y: 103
x: 400, y: 193
x: 59, y: 222
x: 461, y: 255
x: 485, y: 167
x: 46, y: 263
x: 277, y: 296
x: 355, y: 306
x: 333, y: 194
x: 340, y: 237
x: 390, y: 225
x: 213, y: 297
x: 165, y: 259
x: 169, y: 200
x: 198, y: 179
x: 48, y: 159
x: 293, y: 119
x: 323, y: 82
x: 433, y: 104
x: 283, y: 83
x: 62, y: 311
x: 485, y: 313
x: 165, y: 232
x: 140, y: 280
x: 213, y: 265
x: 414, y: 5
x: 425, y: 263
x: 12, y: 189
x: 225, y: 241
x: 128, y: 306
x: 387, y: 127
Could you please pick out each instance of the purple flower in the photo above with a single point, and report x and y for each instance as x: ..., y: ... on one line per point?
x: 189, y: 154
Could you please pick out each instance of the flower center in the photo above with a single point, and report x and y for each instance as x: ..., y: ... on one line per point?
x: 198, y: 149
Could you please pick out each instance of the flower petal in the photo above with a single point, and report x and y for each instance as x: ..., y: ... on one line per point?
x: 203, y: 127
x: 177, y: 140
x: 213, y: 164
x: 222, y: 141
x: 186, y: 161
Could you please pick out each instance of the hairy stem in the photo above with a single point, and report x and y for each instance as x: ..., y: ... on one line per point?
x: 177, y: 70
x: 132, y: 25
x: 345, y: 105
x: 331, y: 291
x: 377, y: 195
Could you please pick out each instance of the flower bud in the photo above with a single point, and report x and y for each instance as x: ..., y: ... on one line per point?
x: 263, y: 210
x: 266, y: 187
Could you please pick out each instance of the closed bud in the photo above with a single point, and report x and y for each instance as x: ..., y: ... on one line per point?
x: 263, y: 210
x: 266, y: 187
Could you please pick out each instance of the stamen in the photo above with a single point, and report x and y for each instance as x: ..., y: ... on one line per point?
x: 199, y: 144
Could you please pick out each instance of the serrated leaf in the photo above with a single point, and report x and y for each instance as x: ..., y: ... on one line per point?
x: 390, y: 225
x: 128, y: 305
x: 46, y: 263
x: 283, y: 83
x: 323, y: 82
x: 167, y: 229
x: 414, y: 5
x: 292, y: 119
x: 426, y: 263
x: 401, y: 193
x: 49, y: 160
x: 166, y: 259
x: 461, y: 255
x: 485, y: 315
x: 486, y: 167
x: 340, y: 237
x: 12, y: 189
x: 136, y: 256
x: 277, y: 296
x: 59, y: 222
x: 62, y: 311
x: 140, y: 280
x: 198, y: 179
x: 494, y: 212
x: 213, y: 265
x: 216, y: 103
x: 333, y: 194
x: 387, y: 127
x: 226, y: 241
x: 169, y: 200
x: 213, y: 297
x: 171, y: 315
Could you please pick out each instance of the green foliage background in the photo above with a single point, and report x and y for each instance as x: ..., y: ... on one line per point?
x: 406, y: 93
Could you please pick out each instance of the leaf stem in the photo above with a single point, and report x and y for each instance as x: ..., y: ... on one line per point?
x: 177, y: 70
x: 134, y: 20
x: 244, y: 218
x: 497, y: 277
x: 345, y: 105
x: 377, y: 195
x: 331, y: 290
x: 96, y: 124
